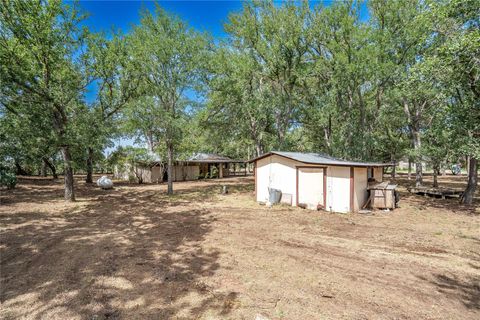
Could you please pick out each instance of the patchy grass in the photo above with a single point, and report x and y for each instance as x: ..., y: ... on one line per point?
x: 135, y: 253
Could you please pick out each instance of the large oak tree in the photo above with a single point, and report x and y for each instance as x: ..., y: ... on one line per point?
x: 42, y: 64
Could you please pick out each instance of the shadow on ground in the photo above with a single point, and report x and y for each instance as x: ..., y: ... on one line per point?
x: 135, y: 253
x: 126, y: 252
x: 466, y: 290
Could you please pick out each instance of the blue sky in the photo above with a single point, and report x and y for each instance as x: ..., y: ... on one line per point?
x: 202, y: 15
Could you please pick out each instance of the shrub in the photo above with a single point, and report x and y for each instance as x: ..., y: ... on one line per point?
x: 214, y: 173
x: 7, y: 178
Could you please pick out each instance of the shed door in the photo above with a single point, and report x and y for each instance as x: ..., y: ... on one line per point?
x: 310, y: 187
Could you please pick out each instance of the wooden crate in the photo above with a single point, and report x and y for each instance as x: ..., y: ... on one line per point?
x: 382, y: 195
x: 383, y: 198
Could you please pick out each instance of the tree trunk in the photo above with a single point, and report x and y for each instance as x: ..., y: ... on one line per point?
x: 43, y: 169
x: 469, y: 192
x: 67, y: 160
x: 418, y: 158
x: 138, y: 174
x: 418, y: 173
x: 19, y: 169
x: 170, y: 168
x: 436, y: 170
x: 414, y: 118
x: 89, y: 178
x: 409, y: 168
x: 258, y: 149
x: 327, y: 134
x: 362, y: 121
x: 52, y: 167
x: 54, y: 172
x: 394, y: 168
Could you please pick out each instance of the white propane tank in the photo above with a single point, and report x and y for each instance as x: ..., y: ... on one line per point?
x: 105, y: 183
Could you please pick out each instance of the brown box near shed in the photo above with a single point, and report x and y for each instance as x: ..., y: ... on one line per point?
x: 382, y: 195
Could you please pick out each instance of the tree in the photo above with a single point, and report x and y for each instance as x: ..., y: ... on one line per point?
x: 417, y: 97
x: 391, y: 141
x: 456, y: 67
x: 274, y: 38
x: 438, y: 141
x: 42, y: 67
x: 117, y: 80
x: 170, y: 57
x: 337, y: 90
x: 401, y: 36
x: 237, y: 106
x: 29, y: 140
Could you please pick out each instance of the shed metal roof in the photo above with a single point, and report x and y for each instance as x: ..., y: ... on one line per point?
x: 320, y: 159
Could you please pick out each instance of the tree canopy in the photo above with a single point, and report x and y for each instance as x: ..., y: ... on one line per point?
x: 400, y: 84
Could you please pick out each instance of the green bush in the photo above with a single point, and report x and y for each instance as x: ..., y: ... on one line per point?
x: 214, y: 172
x: 7, y: 179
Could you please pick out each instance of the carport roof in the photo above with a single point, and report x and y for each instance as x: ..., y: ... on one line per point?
x: 320, y: 159
x: 211, y: 158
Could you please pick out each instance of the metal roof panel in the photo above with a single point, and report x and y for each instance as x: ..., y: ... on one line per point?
x: 319, y: 158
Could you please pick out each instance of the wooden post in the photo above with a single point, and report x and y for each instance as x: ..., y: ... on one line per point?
x: 224, y: 189
x: 255, y: 175
x: 325, y: 188
x: 352, y: 189
x: 296, y: 187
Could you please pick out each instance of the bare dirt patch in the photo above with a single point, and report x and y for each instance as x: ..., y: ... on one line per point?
x: 134, y: 253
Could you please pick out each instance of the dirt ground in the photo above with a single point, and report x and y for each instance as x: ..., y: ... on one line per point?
x: 134, y: 253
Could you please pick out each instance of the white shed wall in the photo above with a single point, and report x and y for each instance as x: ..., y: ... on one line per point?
x: 262, y: 179
x: 310, y: 187
x: 361, y: 182
x: 338, y: 189
x: 278, y: 173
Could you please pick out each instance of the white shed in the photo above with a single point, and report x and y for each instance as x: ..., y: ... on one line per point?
x: 314, y: 180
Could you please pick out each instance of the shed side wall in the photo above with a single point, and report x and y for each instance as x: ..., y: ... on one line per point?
x: 361, y: 194
x: 263, y: 169
x: 186, y: 172
x: 338, y: 189
x: 279, y: 173
x: 156, y: 176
